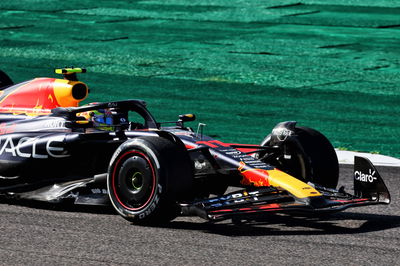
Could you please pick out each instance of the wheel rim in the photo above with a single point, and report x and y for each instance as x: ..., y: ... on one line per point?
x: 133, y: 180
x: 137, y: 181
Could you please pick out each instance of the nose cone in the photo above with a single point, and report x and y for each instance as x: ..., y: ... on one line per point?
x: 278, y: 179
x: 255, y: 177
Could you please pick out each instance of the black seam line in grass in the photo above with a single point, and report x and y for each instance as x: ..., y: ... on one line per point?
x: 115, y: 39
x: 273, y: 23
x: 217, y: 43
x: 389, y: 26
x: 72, y: 9
x: 338, y: 45
x: 302, y: 14
x: 285, y: 6
x: 41, y: 11
x: 16, y: 27
x: 376, y: 67
x: 101, y: 40
x: 259, y: 53
x: 120, y: 20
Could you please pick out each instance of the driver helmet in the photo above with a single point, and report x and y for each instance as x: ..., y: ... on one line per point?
x: 102, y: 119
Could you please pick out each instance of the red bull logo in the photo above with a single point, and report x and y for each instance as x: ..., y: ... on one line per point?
x: 276, y: 178
x: 39, y: 96
x: 254, y: 177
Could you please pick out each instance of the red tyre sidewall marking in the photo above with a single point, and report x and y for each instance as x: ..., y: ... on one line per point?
x: 153, y: 176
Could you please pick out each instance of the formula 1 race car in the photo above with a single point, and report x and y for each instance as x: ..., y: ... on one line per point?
x: 116, y: 153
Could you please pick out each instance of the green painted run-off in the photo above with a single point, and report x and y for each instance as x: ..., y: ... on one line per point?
x: 240, y: 66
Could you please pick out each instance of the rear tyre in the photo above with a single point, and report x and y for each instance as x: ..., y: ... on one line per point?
x: 312, y: 157
x: 5, y: 80
x: 146, y: 178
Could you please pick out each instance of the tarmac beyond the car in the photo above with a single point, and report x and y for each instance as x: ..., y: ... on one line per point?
x: 116, y: 153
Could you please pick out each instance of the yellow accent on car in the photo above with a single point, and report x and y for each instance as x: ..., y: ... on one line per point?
x: 294, y: 186
x: 69, y: 70
x: 69, y: 93
x: 82, y: 122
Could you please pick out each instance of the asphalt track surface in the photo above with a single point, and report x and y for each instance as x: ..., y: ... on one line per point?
x: 41, y: 235
x: 240, y: 66
x: 237, y: 65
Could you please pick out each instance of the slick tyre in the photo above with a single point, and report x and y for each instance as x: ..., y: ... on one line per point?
x: 5, y: 80
x: 321, y: 164
x: 312, y: 158
x: 146, y: 178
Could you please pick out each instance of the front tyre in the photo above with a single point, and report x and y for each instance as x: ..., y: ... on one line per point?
x: 308, y: 156
x: 320, y: 156
x: 146, y: 177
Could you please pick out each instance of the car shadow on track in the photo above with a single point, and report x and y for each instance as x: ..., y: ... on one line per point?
x: 65, y: 207
x: 274, y: 224
x: 339, y: 223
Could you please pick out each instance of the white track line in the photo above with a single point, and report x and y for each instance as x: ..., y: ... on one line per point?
x: 347, y: 157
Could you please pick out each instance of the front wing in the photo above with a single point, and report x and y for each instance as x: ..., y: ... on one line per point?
x: 369, y: 189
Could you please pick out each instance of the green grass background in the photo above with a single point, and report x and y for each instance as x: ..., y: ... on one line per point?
x: 240, y: 66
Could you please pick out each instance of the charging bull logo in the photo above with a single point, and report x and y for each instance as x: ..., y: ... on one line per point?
x: 39, y: 96
x: 255, y: 177
x: 35, y: 94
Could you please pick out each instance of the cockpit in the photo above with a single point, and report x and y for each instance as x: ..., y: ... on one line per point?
x: 111, y: 116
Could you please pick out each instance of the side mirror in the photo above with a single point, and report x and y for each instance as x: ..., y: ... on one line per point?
x: 187, y: 118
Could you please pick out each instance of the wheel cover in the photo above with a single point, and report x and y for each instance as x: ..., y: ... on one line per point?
x: 133, y: 186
